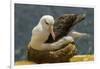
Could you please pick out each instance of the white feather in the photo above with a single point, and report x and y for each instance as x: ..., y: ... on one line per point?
x: 40, y: 33
x: 76, y: 35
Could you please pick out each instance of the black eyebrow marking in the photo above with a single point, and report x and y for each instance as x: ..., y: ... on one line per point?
x: 46, y: 22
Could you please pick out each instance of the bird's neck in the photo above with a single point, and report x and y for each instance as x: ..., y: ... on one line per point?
x: 42, y: 27
x: 41, y: 34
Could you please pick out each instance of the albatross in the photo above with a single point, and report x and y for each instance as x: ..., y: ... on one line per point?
x: 41, y: 32
x: 51, y: 35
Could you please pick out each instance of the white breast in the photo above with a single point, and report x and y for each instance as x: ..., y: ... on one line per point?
x: 38, y: 38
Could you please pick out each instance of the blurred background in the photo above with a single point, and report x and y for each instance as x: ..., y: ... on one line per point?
x: 27, y: 16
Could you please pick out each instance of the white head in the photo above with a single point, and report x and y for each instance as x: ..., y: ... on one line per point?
x: 47, y: 22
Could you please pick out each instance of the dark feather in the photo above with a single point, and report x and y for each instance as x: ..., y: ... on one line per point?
x: 63, y: 25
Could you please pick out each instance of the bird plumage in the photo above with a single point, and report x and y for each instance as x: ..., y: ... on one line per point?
x: 41, y: 32
x: 63, y: 25
x: 65, y: 49
x: 75, y: 35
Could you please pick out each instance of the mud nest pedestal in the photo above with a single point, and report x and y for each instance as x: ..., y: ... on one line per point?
x: 57, y: 56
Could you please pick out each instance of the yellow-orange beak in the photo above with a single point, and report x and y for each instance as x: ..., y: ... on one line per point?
x: 52, y: 32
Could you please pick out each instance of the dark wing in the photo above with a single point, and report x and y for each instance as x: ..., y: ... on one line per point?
x: 63, y: 25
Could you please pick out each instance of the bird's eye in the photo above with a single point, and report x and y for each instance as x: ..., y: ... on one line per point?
x: 47, y: 23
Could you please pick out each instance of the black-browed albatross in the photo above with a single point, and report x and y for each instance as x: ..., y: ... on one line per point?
x: 41, y: 32
x: 62, y: 27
